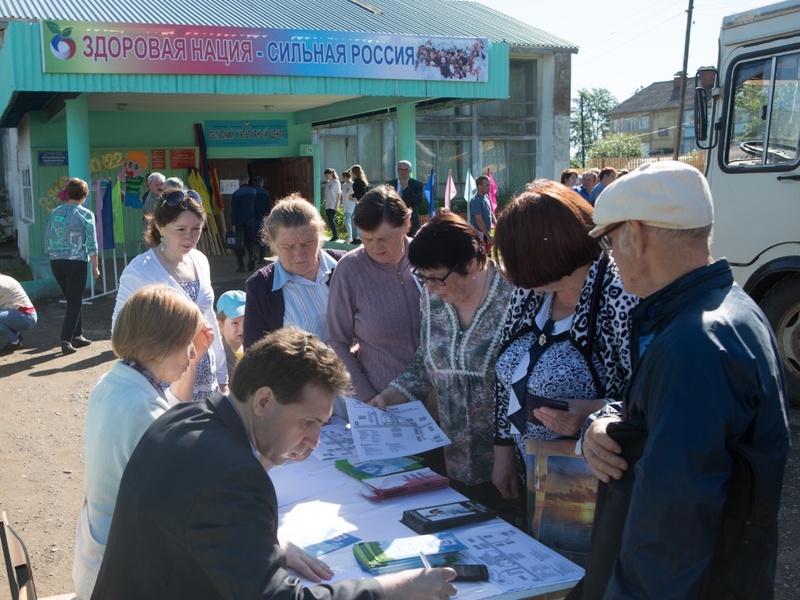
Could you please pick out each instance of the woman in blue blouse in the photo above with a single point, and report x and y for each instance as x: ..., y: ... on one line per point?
x: 71, y: 241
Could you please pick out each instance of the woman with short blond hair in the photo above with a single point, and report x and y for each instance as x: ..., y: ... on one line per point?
x: 158, y: 335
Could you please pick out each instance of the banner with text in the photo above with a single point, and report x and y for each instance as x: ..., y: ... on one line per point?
x: 246, y: 133
x: 81, y: 47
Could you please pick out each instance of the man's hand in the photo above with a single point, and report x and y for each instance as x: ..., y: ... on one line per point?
x: 419, y: 584
x: 504, y: 472
x: 567, y: 422
x: 306, y: 565
x: 602, y: 452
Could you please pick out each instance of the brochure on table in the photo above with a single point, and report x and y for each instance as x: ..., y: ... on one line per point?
x: 374, y: 434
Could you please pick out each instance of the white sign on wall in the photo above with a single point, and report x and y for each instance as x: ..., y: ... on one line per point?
x: 228, y: 186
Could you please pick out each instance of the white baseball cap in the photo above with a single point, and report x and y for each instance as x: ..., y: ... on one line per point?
x: 667, y: 194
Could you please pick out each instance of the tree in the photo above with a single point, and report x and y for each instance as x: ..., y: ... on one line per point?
x: 617, y: 145
x: 589, y: 118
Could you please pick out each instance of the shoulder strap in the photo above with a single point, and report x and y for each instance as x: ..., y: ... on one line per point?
x: 595, y: 302
x: 591, y: 330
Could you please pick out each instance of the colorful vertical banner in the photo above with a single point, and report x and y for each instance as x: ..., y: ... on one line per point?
x: 449, y: 189
x: 492, y: 191
x: 430, y: 186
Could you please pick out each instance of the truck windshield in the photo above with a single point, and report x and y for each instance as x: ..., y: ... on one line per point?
x: 764, y: 127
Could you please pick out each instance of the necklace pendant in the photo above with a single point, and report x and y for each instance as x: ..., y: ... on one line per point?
x: 542, y: 340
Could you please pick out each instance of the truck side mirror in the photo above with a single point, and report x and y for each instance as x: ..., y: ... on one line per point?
x: 700, y: 115
x: 704, y: 81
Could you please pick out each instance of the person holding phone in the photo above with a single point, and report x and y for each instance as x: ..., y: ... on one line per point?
x: 565, y: 339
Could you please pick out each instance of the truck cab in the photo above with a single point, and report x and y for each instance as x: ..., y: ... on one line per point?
x: 747, y: 118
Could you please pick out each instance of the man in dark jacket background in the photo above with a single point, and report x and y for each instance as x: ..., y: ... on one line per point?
x: 707, y: 377
x: 410, y: 190
x: 243, y: 219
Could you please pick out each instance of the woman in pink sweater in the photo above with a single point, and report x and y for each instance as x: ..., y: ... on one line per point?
x: 373, y: 306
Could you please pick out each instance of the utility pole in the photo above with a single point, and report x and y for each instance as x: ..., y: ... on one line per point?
x: 583, y: 137
x: 684, y: 76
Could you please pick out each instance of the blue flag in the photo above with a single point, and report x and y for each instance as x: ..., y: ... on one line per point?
x: 108, y: 218
x: 429, y: 194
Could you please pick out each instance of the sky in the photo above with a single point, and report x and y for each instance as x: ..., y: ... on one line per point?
x: 628, y: 44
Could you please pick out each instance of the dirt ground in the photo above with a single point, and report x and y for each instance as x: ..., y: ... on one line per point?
x: 44, y: 396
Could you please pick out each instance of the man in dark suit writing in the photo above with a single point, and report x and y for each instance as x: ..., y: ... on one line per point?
x: 410, y: 190
x: 197, y: 516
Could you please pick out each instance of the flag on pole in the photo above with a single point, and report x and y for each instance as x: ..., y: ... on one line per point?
x: 449, y: 190
x: 116, y: 202
x: 430, y: 186
x: 470, y: 189
x: 108, y: 217
x: 492, y: 192
x: 98, y: 214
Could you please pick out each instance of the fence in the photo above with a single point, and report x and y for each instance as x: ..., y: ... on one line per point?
x: 696, y: 159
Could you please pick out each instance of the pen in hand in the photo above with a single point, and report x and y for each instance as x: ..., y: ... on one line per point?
x: 424, y: 558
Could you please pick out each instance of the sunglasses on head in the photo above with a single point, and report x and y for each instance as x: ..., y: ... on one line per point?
x: 180, y: 197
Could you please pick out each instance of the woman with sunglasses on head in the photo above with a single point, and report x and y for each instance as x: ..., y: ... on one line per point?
x: 172, y: 232
x: 463, y: 305
x: 565, y: 336
x: 373, y: 306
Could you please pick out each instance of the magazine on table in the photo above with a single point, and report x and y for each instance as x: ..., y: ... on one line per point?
x: 379, y: 468
x: 400, y: 484
x: 390, y: 556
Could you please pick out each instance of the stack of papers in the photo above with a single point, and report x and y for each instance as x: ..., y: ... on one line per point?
x: 379, y: 468
x: 390, y: 556
x: 401, y: 484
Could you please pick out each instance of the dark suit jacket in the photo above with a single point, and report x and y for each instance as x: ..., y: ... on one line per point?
x: 264, y: 308
x: 412, y: 195
x: 196, y: 517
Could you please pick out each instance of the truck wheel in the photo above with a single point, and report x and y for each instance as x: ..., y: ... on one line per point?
x: 781, y: 304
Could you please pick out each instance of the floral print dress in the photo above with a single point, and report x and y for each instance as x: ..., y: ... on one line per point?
x: 460, y: 365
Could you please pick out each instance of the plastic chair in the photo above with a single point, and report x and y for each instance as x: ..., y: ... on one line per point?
x: 18, y: 564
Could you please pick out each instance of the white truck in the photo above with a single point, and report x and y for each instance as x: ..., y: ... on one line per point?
x: 747, y: 118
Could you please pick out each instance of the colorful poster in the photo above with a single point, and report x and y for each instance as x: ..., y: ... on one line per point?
x: 85, y: 47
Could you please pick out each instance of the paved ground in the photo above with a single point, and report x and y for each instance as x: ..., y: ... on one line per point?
x: 44, y: 394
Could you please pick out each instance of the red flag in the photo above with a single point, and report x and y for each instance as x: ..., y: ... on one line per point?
x: 492, y: 192
x: 449, y: 189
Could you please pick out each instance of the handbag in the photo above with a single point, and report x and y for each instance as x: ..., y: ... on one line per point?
x: 234, y: 240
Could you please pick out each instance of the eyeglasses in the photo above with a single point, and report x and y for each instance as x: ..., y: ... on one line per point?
x: 179, y: 198
x: 435, y: 281
x: 604, y: 240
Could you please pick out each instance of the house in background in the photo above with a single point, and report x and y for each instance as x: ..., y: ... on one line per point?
x: 652, y: 113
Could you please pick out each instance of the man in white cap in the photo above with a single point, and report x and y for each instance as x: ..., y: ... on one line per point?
x: 706, y: 379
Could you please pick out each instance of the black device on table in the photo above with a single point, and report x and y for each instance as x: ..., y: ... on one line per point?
x: 471, y: 573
